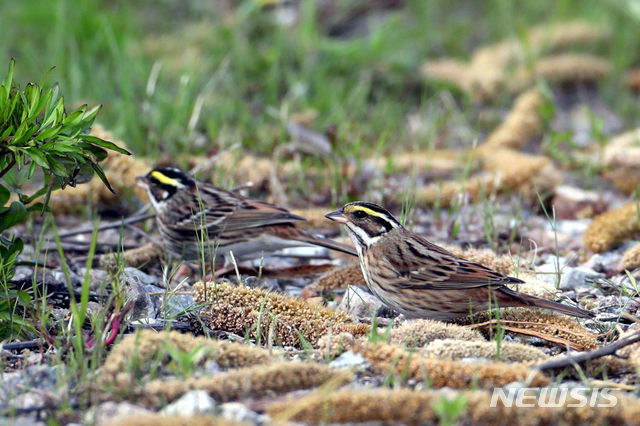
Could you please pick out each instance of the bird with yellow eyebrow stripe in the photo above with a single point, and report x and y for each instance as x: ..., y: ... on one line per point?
x: 421, y: 280
x: 195, y: 217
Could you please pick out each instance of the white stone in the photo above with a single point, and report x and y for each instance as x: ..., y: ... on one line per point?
x: 192, y: 402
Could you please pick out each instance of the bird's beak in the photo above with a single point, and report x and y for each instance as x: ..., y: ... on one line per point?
x: 337, y: 216
x: 142, y: 181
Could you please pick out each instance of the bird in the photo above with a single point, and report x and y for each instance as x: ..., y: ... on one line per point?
x: 196, y: 218
x: 422, y: 280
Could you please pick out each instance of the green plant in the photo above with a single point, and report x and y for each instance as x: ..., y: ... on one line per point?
x: 38, y: 136
x: 449, y: 410
x: 184, y: 363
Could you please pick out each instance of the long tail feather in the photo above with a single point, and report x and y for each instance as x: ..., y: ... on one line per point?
x: 532, y: 301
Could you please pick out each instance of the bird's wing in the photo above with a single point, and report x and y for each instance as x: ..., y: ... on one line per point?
x: 228, y: 211
x: 423, y: 265
x: 254, y: 213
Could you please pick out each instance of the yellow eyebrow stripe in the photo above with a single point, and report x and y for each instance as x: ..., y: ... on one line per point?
x: 367, y: 210
x: 164, y: 179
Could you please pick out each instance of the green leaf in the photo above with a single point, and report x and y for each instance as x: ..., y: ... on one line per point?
x: 32, y: 169
x: 6, y: 133
x: 5, y: 194
x: 37, y: 207
x: 38, y: 157
x: 98, y: 154
x: 90, y: 115
x: 105, y: 144
x: 33, y: 93
x: 74, y: 118
x: 16, y: 213
x: 8, y: 81
x: 56, y: 167
x: 20, y: 131
x: 102, y: 176
x: 46, y: 134
x: 85, y: 173
x: 25, y: 298
x: 45, y: 76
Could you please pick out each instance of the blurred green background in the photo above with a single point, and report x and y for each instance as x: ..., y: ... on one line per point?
x: 198, y: 76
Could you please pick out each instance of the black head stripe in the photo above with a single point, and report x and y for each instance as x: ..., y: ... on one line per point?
x: 375, y: 213
x: 386, y: 224
x: 177, y: 174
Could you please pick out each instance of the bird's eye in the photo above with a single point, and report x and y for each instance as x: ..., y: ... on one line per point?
x: 359, y: 214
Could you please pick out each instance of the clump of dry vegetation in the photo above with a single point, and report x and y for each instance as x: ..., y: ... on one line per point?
x: 381, y: 405
x: 504, y: 171
x: 254, y: 382
x: 419, y: 332
x: 339, y: 278
x: 630, y: 259
x: 612, y: 227
x: 621, y: 158
x: 136, y: 353
x: 574, y: 68
x: 553, y: 327
x: 289, y: 330
x: 276, y: 317
x: 512, y: 65
x: 454, y: 350
x: 441, y: 372
x: 148, y: 254
x: 518, y: 127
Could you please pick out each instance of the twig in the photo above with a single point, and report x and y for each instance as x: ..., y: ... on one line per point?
x: 569, y: 360
x: 173, y: 325
x: 110, y: 225
x: 84, y: 247
x: 6, y: 169
x: 18, y: 346
x: 629, y: 317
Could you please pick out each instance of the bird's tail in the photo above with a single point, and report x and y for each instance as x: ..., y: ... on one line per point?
x: 536, y: 302
x: 333, y: 245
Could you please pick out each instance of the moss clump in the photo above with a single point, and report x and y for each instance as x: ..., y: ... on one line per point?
x: 254, y: 382
x: 283, y: 329
x: 454, y: 350
x: 260, y: 300
x: 340, y: 278
x: 148, y: 254
x: 556, y: 326
x: 381, y: 405
x: 518, y: 127
x: 612, y: 227
x: 134, y: 355
x: 440, y: 373
x: 505, y: 171
x: 420, y: 332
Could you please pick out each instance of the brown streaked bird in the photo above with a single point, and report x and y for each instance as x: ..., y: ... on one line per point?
x: 420, y: 279
x: 195, y: 217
